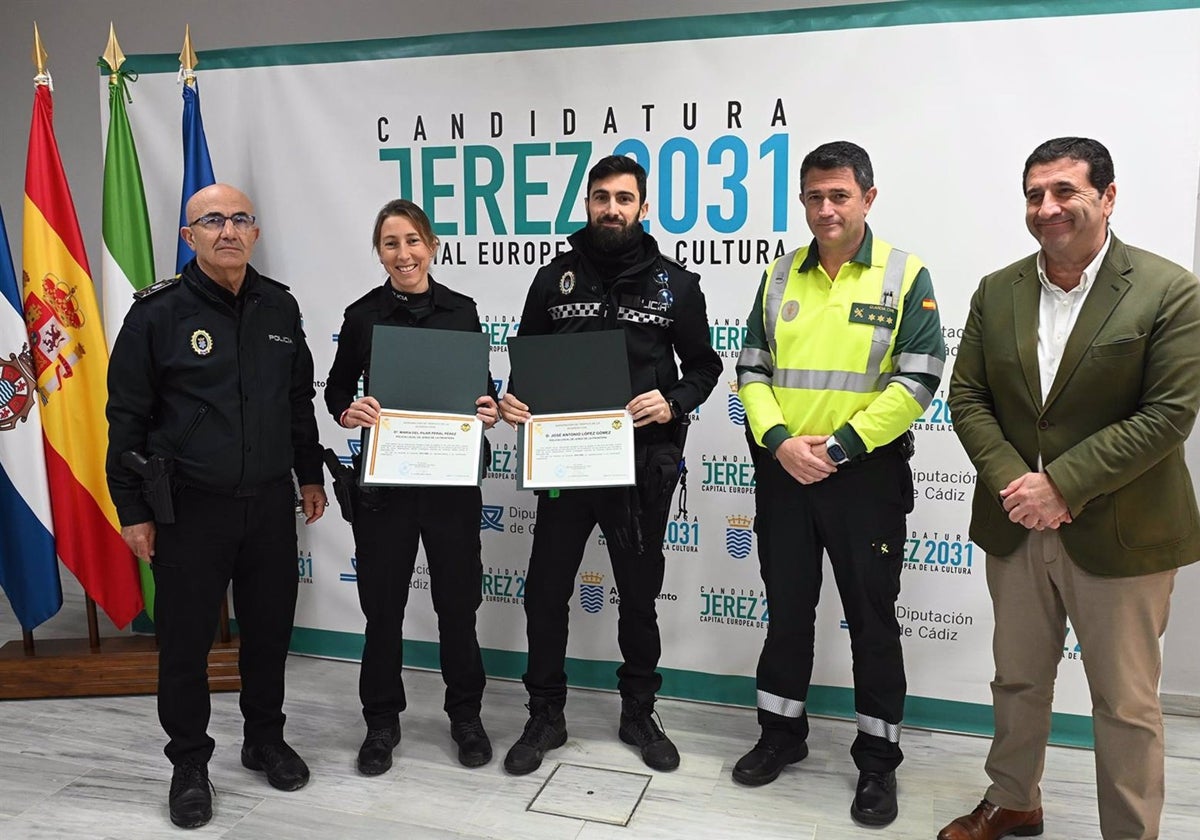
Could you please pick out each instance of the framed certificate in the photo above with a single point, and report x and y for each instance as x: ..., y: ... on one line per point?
x: 580, y: 449
x: 422, y: 448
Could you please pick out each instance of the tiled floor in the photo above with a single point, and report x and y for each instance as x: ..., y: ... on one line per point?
x: 93, y: 768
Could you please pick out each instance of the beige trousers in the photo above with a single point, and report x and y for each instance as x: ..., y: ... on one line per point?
x: 1118, y: 622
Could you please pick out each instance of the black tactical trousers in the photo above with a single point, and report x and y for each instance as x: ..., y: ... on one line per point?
x: 857, y: 515
x: 216, y: 539
x: 387, y: 526
x: 564, y: 525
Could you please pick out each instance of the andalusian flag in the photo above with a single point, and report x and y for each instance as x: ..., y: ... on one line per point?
x: 128, y: 263
x: 197, y: 165
x: 28, y: 567
x: 71, y: 360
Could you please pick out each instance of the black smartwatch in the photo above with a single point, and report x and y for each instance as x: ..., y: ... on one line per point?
x: 836, y: 453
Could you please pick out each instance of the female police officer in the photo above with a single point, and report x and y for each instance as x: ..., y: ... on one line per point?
x: 389, y: 521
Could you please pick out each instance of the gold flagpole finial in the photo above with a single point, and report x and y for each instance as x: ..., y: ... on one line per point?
x: 112, y: 52
x: 187, y: 58
x: 39, y: 53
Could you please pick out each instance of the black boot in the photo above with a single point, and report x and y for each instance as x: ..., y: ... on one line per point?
x: 190, y: 799
x: 284, y: 768
x: 763, y: 764
x: 875, y: 799
x: 375, y: 754
x: 474, y: 746
x: 639, y: 728
x: 545, y: 730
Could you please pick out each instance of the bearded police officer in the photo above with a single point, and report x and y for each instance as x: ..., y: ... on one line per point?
x: 843, y: 351
x: 211, y: 381
x: 614, y: 278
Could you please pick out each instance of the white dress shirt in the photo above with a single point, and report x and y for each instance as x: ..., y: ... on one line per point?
x: 1058, y: 312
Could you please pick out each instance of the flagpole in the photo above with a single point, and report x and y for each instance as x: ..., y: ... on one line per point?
x: 79, y: 667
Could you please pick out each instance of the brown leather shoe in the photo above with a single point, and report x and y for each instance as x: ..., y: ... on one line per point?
x: 991, y: 822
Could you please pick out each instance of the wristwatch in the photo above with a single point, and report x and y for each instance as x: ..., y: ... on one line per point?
x: 676, y: 411
x: 836, y: 453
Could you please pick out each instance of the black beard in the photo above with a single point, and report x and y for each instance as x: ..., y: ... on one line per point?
x: 610, y: 240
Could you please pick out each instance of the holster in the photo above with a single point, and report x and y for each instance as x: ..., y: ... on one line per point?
x: 343, y: 483
x: 155, y: 473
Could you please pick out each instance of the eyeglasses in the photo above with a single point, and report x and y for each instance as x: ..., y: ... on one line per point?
x: 216, y: 221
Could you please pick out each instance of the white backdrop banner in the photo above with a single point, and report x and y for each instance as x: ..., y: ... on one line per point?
x: 493, y: 134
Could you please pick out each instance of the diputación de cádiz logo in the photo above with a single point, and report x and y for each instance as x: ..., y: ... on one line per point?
x: 491, y: 518
x: 591, y: 591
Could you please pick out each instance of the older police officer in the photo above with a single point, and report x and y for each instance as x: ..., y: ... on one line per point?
x: 211, y: 371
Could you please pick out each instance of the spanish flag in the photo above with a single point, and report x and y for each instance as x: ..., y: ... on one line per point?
x: 70, y: 357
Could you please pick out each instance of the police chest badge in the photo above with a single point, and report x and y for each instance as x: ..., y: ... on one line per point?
x: 790, y: 310
x: 566, y: 283
x: 201, y: 343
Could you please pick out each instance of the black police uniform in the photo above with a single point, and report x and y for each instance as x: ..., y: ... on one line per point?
x: 389, y: 521
x: 661, y: 309
x: 222, y: 385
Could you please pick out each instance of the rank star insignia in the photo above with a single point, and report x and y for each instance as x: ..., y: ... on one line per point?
x: 202, y: 343
x: 566, y: 283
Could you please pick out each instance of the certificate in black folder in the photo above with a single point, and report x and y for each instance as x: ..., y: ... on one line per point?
x: 426, y: 382
x: 576, y: 386
x: 428, y: 370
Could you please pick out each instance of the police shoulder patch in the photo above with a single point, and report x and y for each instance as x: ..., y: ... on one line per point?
x: 154, y: 288
x: 275, y: 282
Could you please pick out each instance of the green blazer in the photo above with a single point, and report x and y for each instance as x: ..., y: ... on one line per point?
x: 1112, y: 428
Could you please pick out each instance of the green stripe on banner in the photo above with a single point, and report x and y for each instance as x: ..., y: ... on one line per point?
x: 831, y: 701
x: 864, y: 16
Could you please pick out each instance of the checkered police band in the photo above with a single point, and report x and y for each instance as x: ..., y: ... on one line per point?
x: 639, y: 317
x: 575, y: 310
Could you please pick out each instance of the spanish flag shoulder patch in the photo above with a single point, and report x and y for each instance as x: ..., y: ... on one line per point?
x: 929, y: 303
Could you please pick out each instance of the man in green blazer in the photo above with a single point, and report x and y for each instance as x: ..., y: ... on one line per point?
x: 1076, y: 384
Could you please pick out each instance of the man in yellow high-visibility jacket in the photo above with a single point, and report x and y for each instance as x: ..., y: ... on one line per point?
x: 843, y: 350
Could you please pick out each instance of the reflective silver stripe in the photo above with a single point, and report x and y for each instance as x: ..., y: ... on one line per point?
x: 829, y: 380
x: 774, y: 295
x: 574, y: 310
x: 920, y: 393
x: 753, y: 357
x: 747, y: 376
x: 876, y: 726
x: 639, y: 317
x: 919, y: 363
x: 889, y: 296
x: 783, y: 706
x: 893, y: 278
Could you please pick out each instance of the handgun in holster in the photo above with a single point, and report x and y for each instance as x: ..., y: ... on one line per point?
x: 155, y: 472
x: 343, y: 483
